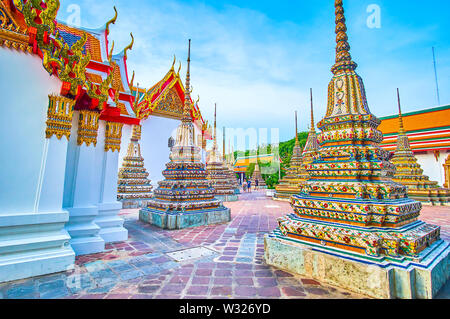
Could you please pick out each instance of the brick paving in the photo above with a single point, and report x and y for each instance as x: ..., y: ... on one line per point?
x: 234, y: 267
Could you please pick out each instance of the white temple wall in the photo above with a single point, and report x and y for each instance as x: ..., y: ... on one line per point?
x: 33, y: 241
x: 154, y: 144
x: 432, y: 167
x: 24, y: 87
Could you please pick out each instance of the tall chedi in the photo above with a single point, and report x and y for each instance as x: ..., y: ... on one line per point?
x: 290, y: 184
x: 410, y: 174
x: 185, y: 197
x: 228, y: 166
x: 134, y: 188
x: 311, y: 145
x: 217, y: 171
x: 352, y: 225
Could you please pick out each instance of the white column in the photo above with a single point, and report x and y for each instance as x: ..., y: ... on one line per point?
x: 111, y: 225
x: 81, y: 193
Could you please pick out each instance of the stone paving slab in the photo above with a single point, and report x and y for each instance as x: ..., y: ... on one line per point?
x: 143, y: 267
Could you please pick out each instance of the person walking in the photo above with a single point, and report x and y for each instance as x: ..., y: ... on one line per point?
x: 249, y: 186
x: 256, y: 184
x: 244, y: 186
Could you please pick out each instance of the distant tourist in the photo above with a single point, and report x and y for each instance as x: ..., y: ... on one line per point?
x: 256, y: 184
x: 244, y: 186
x: 249, y: 186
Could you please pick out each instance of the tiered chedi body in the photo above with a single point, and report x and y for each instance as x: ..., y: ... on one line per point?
x: 134, y: 187
x: 410, y: 174
x: 185, y: 198
x: 217, y: 171
x: 350, y: 201
x: 258, y: 177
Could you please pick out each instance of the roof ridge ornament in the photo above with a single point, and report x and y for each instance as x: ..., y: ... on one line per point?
x: 173, y: 63
x: 110, y: 53
x: 112, y: 21
x: 128, y: 47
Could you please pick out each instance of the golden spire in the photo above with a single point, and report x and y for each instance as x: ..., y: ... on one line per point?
x: 400, y: 116
x: 296, y: 130
x: 112, y: 21
x: 215, y: 125
x: 343, y: 58
x: 223, y: 145
x: 187, y: 92
x: 313, y: 129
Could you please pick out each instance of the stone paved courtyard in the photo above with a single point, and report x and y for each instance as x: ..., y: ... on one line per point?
x: 156, y: 264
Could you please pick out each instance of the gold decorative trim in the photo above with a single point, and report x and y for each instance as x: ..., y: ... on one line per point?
x: 59, y: 117
x: 12, y: 37
x: 88, y: 128
x: 446, y: 166
x: 113, y: 136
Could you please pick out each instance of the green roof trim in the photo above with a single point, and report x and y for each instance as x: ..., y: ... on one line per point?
x: 434, y: 109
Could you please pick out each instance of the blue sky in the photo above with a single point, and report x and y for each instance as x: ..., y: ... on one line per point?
x: 258, y: 59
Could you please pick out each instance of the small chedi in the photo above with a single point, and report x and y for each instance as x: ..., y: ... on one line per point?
x: 256, y: 176
x: 232, y: 174
x: 217, y: 172
x: 134, y: 188
x: 352, y: 225
x: 290, y: 184
x: 297, y: 173
x: 311, y: 146
x: 185, y: 198
x: 410, y: 174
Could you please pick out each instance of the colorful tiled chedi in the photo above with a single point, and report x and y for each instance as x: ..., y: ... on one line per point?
x: 256, y: 176
x: 297, y: 173
x: 185, y: 198
x: 134, y: 187
x: 410, y: 174
x: 218, y: 174
x: 352, y: 225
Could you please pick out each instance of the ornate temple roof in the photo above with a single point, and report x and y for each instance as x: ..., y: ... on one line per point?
x: 94, y: 77
x: 427, y: 129
x: 241, y: 163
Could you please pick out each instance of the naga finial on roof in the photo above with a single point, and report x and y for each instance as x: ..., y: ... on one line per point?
x: 130, y: 46
x: 130, y: 85
x: 110, y: 53
x: 174, y: 60
x: 112, y: 21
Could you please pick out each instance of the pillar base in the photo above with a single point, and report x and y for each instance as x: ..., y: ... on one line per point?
x: 34, y: 244
x: 181, y: 220
x: 378, y: 277
x: 84, y: 231
x: 111, y: 225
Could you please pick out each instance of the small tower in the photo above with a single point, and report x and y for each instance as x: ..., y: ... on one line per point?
x: 410, y: 174
x: 134, y: 187
x: 217, y: 171
x: 185, y: 197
